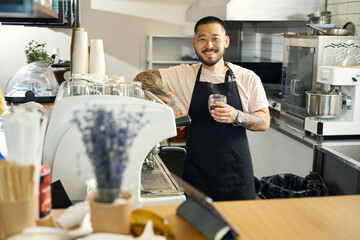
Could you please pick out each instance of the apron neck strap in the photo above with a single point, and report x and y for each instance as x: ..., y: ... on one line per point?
x: 198, y: 74
x: 229, y: 72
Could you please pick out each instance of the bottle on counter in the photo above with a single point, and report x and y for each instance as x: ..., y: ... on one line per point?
x: 44, y: 192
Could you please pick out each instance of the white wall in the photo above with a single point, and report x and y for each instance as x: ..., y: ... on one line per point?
x: 260, y: 40
x: 13, y: 40
x: 122, y: 24
x: 263, y: 40
x: 344, y: 11
x: 125, y: 24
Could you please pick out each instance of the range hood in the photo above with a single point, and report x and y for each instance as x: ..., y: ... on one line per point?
x: 255, y: 10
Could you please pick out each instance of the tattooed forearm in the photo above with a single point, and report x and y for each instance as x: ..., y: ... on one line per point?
x: 151, y: 81
x: 253, y: 120
x: 257, y: 121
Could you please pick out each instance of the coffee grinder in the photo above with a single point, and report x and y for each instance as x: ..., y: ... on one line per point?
x: 346, y: 81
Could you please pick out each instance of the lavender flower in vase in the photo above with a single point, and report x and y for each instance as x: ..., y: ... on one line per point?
x: 107, y: 135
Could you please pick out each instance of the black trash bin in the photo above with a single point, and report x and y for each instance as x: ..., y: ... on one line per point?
x: 291, y: 186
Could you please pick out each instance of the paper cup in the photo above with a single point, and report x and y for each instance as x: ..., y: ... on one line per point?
x: 97, y: 57
x: 80, y: 54
x: 74, y: 30
x: 16, y: 216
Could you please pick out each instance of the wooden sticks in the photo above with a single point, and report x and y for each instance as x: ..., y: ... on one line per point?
x: 16, y: 181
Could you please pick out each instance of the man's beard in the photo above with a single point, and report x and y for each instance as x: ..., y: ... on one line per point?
x: 209, y: 63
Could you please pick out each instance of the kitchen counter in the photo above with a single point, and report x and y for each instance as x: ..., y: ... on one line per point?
x: 336, y: 159
x: 301, y: 218
x: 346, y: 152
x: 293, y: 127
x: 286, y: 147
x: 297, y: 218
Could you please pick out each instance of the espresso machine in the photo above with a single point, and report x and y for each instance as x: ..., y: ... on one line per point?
x: 345, y: 80
x: 145, y: 176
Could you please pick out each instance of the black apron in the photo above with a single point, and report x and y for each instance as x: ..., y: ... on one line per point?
x: 217, y: 160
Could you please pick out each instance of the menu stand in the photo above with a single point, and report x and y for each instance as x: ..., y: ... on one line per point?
x: 207, y: 220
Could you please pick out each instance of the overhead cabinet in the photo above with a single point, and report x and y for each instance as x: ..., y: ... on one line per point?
x: 338, y: 163
x: 274, y: 152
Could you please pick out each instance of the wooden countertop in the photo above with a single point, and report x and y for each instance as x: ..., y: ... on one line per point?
x: 336, y: 217
x: 298, y: 218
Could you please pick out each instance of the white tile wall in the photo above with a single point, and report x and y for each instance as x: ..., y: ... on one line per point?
x: 261, y: 40
x: 264, y: 40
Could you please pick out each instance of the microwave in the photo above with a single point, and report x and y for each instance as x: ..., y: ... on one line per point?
x: 302, y: 56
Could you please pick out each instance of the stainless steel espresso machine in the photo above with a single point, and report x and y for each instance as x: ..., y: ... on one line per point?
x: 337, y: 111
x: 303, y: 55
x: 145, y: 176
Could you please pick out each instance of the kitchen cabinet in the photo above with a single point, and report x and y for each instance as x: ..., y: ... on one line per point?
x: 60, y: 13
x: 169, y: 50
x: 274, y: 152
x: 338, y: 163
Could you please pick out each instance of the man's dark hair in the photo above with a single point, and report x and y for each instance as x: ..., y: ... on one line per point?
x: 208, y: 20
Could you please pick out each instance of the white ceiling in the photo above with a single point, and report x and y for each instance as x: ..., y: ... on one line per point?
x: 171, y: 11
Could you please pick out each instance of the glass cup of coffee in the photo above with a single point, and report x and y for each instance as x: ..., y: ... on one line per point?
x: 214, y: 100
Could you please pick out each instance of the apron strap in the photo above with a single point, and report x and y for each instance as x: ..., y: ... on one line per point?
x: 198, y: 74
x: 230, y: 73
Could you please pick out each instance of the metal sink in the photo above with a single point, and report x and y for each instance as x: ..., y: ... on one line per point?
x: 349, y: 153
x: 339, y: 165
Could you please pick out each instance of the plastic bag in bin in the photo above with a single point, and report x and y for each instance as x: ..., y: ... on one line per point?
x: 291, y: 186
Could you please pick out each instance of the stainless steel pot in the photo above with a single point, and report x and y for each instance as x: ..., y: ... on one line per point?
x: 324, y: 104
x: 322, y: 17
x: 333, y: 31
x: 319, y: 14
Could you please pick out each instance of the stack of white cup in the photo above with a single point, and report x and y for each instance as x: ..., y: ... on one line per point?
x: 97, y: 57
x: 82, y: 61
x: 80, y: 54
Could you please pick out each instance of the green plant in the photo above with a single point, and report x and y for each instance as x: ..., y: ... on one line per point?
x: 35, y: 51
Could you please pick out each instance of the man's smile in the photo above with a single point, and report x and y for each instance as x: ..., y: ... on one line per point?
x: 209, y: 52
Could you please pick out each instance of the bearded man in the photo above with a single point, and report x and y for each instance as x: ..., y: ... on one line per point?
x: 217, y: 160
